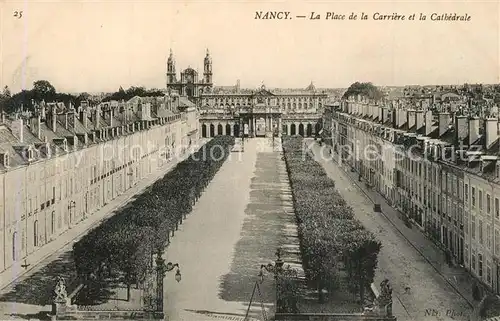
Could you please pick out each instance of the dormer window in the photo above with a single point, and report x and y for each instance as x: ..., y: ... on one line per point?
x: 65, y: 145
x: 30, y: 154
x: 5, y: 159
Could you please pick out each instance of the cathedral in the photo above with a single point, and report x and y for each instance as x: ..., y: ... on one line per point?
x: 189, y: 85
x: 231, y: 110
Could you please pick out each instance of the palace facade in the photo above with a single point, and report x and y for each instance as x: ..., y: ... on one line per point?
x: 250, y: 113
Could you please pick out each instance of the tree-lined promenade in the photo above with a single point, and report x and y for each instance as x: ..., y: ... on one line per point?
x: 125, y: 244
x: 330, y: 236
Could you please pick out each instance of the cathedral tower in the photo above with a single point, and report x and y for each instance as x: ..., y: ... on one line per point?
x: 171, y: 78
x: 207, y: 70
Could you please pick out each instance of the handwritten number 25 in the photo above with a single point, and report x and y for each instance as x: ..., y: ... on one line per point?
x: 18, y: 14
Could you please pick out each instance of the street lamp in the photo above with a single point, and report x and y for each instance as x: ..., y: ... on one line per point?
x: 276, y: 269
x: 161, y: 271
x: 71, y: 206
x: 170, y: 266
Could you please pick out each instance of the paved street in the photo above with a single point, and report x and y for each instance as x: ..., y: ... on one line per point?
x: 236, y: 225
x: 418, y: 290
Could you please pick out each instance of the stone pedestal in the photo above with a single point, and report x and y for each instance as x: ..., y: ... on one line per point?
x: 62, y: 309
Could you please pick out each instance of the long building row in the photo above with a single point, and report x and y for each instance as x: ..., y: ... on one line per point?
x: 60, y: 165
x: 440, y: 170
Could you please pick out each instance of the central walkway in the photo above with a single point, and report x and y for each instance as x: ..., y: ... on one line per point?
x: 236, y: 225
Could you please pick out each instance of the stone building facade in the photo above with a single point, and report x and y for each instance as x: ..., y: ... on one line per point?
x: 250, y: 113
x: 440, y: 170
x: 61, y: 165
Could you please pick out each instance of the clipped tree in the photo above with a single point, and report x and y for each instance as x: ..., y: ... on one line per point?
x: 328, y: 231
x: 365, y: 89
x: 125, y: 242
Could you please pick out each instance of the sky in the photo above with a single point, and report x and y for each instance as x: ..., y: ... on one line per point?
x: 97, y: 46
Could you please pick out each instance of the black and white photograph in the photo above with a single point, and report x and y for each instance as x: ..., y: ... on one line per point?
x: 294, y: 160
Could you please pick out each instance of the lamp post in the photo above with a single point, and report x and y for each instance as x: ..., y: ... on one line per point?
x: 161, y: 271
x: 71, y: 206
x: 276, y: 269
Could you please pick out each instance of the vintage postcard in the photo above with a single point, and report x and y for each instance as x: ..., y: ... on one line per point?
x: 249, y: 160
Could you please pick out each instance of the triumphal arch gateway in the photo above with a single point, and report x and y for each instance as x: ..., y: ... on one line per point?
x: 231, y: 110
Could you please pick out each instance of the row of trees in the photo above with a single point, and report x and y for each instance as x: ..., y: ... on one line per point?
x: 365, y: 89
x: 122, y: 94
x: 329, y: 233
x: 44, y: 90
x: 124, y: 244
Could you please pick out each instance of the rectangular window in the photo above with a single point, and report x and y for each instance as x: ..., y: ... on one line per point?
x: 473, y: 227
x: 473, y: 195
x: 488, y: 236
x: 480, y: 199
x: 488, y: 204
x: 497, y: 208
x: 473, y: 260
x: 480, y: 265
x: 480, y: 231
x: 497, y: 242
x: 488, y: 272
x: 466, y: 254
x: 466, y: 193
x: 466, y: 225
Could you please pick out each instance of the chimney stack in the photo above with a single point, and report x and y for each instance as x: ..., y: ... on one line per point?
x: 411, y: 118
x: 17, y: 128
x: 110, y: 115
x: 473, y: 130
x: 461, y: 129
x: 96, y: 114
x: 53, y: 118
x: 419, y: 119
x: 385, y: 114
x: 35, y: 126
x: 428, y: 122
x: 84, y: 119
x: 491, y: 130
x: 402, y: 117
x: 444, y: 123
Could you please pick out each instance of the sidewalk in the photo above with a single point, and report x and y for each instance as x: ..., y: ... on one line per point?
x: 16, y: 271
x: 457, y: 277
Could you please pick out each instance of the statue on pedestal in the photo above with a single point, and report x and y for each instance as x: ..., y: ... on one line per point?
x: 384, y: 300
x: 60, y: 291
x: 62, y: 303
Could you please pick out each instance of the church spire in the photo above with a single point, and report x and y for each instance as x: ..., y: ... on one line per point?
x: 207, y: 68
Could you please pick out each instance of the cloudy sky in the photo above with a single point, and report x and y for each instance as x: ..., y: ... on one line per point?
x: 101, y: 45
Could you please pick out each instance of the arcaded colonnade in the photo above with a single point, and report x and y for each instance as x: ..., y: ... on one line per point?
x: 212, y: 128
